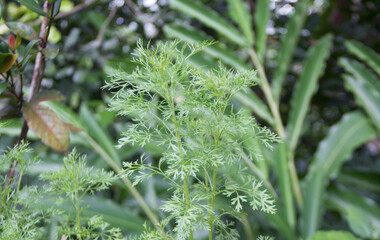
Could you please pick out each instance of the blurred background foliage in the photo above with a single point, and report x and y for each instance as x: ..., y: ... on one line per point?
x: 100, y: 37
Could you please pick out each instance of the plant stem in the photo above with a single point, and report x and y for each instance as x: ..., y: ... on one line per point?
x: 170, y: 100
x: 77, y: 209
x: 38, y: 73
x: 211, y: 218
x: 277, y: 122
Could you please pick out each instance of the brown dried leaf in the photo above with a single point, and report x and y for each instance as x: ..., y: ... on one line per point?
x: 46, y: 124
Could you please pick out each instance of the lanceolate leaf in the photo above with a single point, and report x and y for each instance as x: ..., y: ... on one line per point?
x: 367, y: 97
x: 48, y: 126
x: 359, y: 71
x: 362, y: 213
x: 365, y: 54
x: 210, y: 18
x: 306, y: 85
x: 262, y: 15
x: 288, y: 44
x: 350, y: 132
x: 282, y: 171
x: 194, y: 36
x: 32, y: 5
x: 369, y: 180
x: 240, y: 14
x: 57, y: 6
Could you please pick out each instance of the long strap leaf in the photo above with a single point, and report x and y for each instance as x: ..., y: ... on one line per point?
x: 365, y: 87
x: 350, y: 132
x: 288, y: 44
x: 305, y: 88
x: 262, y: 15
x: 210, y: 18
x: 240, y: 14
x: 365, y: 54
x: 193, y: 36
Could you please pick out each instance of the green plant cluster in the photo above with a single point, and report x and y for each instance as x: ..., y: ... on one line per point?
x: 188, y: 112
x: 23, y: 213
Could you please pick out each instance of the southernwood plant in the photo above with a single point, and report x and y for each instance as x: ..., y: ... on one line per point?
x: 188, y: 112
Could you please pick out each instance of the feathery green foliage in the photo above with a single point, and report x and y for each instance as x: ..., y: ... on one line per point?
x: 18, y: 220
x: 188, y: 111
x: 71, y: 184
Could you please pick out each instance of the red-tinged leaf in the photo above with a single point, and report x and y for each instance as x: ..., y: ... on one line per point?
x: 51, y: 95
x: 8, y: 62
x: 12, y: 41
x: 46, y: 125
x: 73, y: 128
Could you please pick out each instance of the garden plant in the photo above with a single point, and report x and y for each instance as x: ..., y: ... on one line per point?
x: 185, y: 119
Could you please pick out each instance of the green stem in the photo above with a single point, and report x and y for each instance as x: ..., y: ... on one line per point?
x: 77, y: 209
x: 277, y: 122
x: 179, y: 144
x: 211, y: 218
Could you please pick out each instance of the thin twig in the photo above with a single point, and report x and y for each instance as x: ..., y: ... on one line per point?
x: 38, y: 72
x: 102, y: 31
x: 75, y: 9
x: 133, y: 7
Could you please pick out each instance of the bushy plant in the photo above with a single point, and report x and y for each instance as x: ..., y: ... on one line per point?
x: 188, y: 112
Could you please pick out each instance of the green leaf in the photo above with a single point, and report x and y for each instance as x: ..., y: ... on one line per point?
x: 369, y: 180
x: 18, y: 40
x: 57, y: 6
x: 365, y: 87
x: 32, y: 5
x: 362, y: 213
x: 3, y: 86
x: 27, y: 50
x: 333, y: 235
x: 7, y: 61
x: 94, y: 129
x: 283, y: 174
x: 262, y: 16
x: 23, y: 29
x: 193, y: 36
x: 359, y: 71
x: 305, y: 88
x: 250, y: 100
x: 364, y: 53
x: 288, y: 44
x: 350, y: 132
x: 50, y: 53
x: 48, y: 126
x: 210, y: 18
x: 240, y: 14
x: 366, y: 96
